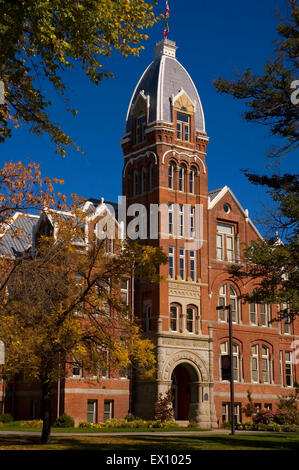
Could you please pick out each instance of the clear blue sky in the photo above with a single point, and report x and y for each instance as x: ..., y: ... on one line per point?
x: 215, y: 38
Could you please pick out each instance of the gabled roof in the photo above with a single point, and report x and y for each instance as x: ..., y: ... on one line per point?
x: 216, y: 195
x: 18, y: 236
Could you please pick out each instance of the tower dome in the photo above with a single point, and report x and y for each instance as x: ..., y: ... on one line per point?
x: 164, y: 82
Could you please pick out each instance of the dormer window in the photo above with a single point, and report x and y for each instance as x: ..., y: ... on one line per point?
x: 183, y: 126
x: 140, y: 129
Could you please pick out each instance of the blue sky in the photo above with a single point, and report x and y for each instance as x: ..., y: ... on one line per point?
x: 215, y: 39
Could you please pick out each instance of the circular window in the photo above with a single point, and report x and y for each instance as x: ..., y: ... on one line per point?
x: 227, y: 208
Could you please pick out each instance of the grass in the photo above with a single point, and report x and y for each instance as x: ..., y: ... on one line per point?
x: 151, y: 442
x: 16, y: 427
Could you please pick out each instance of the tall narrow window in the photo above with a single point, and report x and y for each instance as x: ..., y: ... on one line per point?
x: 173, y: 318
x: 183, y: 126
x: 125, y: 291
x: 222, y: 314
x: 192, y: 180
x: 264, y: 314
x: 182, y: 173
x: 108, y: 409
x: 234, y: 305
x: 224, y: 350
x: 253, y: 313
x: 77, y: 368
x: 92, y: 406
x: 190, y: 319
x: 265, y: 364
x: 286, y: 320
x: 181, y: 220
x: 288, y: 369
x: 192, y: 266
x: 170, y: 219
x: 182, y: 264
x: 140, y: 129
x: 192, y: 222
x: 255, y: 363
x: 171, y: 262
x: 171, y: 176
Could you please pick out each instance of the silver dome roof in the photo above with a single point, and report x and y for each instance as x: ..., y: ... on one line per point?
x: 164, y: 78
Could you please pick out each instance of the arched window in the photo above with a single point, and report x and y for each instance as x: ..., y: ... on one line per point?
x: 174, y: 318
x: 224, y: 351
x: 228, y: 296
x: 182, y: 173
x: 265, y: 364
x: 171, y: 169
x: 192, y: 180
x: 190, y: 319
x: 254, y: 363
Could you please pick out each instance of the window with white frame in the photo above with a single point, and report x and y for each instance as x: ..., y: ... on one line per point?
x: 182, y: 172
x: 108, y: 409
x: 265, y: 364
x: 174, y: 318
x: 225, y: 413
x: 224, y: 350
x: 281, y: 367
x: 105, y: 365
x: 254, y: 363
x: 181, y: 220
x: 286, y: 320
x: 183, y: 126
x: 124, y: 291
x: 264, y: 308
x: 182, y: 264
x: 288, y: 369
x: 171, y: 169
x: 193, y: 265
x: 77, y: 368
x: 192, y: 180
x: 92, y: 410
x: 253, y: 313
x: 225, y: 242
x: 222, y: 314
x: 192, y: 222
x: 171, y: 262
x: 170, y: 218
x: 234, y: 304
x: 190, y: 319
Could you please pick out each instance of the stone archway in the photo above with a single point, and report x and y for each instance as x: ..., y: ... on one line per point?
x: 185, y: 391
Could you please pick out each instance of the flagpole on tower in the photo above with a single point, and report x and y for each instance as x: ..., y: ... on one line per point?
x: 166, y: 25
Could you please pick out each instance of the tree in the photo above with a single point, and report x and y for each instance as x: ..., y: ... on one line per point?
x: 249, y: 408
x: 62, y: 306
x: 164, y: 407
x: 273, y: 262
x: 40, y: 40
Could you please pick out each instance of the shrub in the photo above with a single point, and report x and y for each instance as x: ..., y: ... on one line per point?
x: 264, y: 417
x: 163, y: 407
x: 85, y: 424
x: 64, y: 421
x: 226, y: 424
x: 32, y: 423
x: 130, y: 417
x: 6, y: 418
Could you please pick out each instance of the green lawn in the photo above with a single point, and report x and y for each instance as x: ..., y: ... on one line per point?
x: 17, y: 427
x: 152, y: 442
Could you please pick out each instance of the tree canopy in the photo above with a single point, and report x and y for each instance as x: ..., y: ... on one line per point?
x: 41, y: 39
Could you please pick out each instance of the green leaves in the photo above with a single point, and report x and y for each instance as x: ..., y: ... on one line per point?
x: 41, y: 39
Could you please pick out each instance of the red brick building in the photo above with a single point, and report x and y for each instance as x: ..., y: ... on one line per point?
x: 166, y: 175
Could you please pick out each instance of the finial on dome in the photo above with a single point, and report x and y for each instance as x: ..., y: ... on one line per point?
x: 165, y: 47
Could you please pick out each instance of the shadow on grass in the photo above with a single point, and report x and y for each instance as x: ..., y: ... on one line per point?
x: 150, y: 443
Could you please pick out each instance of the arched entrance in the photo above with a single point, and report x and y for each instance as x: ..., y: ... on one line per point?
x: 185, y: 390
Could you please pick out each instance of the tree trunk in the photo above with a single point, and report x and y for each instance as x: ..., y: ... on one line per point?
x: 46, y: 412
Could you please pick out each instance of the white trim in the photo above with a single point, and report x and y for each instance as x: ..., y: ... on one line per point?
x: 187, y: 155
x: 133, y: 95
x: 133, y: 159
x: 181, y: 93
